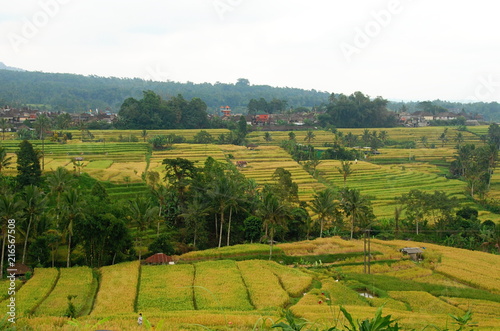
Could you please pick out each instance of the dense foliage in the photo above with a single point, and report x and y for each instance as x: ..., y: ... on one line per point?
x: 357, y: 111
x: 77, y: 93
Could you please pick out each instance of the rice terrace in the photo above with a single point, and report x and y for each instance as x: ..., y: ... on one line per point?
x: 333, y: 269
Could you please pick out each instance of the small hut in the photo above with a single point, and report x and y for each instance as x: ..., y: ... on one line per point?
x: 20, y: 269
x: 415, y: 253
x: 159, y: 258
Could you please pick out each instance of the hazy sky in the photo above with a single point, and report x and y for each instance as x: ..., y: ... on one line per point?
x: 397, y: 49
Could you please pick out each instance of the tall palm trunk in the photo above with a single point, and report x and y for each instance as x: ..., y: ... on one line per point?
x: 3, y: 252
x: 221, y: 226
x: 352, y: 226
x: 229, y: 225
x: 26, y: 239
x: 69, y: 251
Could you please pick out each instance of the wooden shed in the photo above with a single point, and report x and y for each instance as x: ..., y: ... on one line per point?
x: 415, y: 253
x: 20, y: 269
x: 159, y: 258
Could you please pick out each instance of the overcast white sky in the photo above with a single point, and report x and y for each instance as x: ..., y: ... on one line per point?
x: 397, y: 49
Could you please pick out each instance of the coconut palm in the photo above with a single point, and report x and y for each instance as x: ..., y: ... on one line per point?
x: 5, y: 161
x: 144, y: 134
x: 72, y: 212
x: 310, y: 136
x: 219, y: 193
x: 42, y: 124
x: 4, y: 125
x: 10, y: 209
x: 345, y: 169
x: 35, y: 204
x: 355, y: 206
x: 59, y: 182
x: 274, y: 214
x: 324, y: 206
x: 142, y: 213
x: 194, y: 214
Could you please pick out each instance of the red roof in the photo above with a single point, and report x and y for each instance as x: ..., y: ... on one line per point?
x: 159, y: 258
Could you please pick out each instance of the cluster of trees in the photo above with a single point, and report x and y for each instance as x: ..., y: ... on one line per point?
x: 357, y: 111
x: 437, y: 217
x: 75, y: 93
x: 152, y: 112
x: 274, y: 106
x: 475, y: 164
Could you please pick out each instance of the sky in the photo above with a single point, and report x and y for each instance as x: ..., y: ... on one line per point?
x: 411, y: 50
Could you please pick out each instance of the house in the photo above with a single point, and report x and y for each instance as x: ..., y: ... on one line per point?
x: 159, y: 258
x: 415, y: 253
x: 241, y: 164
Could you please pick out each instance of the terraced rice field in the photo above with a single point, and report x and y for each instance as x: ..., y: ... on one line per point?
x: 385, y: 182
x: 248, y: 293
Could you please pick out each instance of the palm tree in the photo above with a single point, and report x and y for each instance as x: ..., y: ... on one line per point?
x: 345, y: 169
x: 366, y: 137
x: 459, y: 139
x: 42, y: 124
x: 10, y: 209
x: 273, y: 214
x: 355, y: 205
x: 144, y: 134
x: 59, y: 182
x: 220, y: 193
x: 72, y: 212
x: 444, y: 137
x: 194, y: 214
x: 309, y: 136
x: 5, y: 161
x: 142, y: 213
x: 4, y: 125
x: 324, y: 206
x: 424, y: 140
x: 35, y: 203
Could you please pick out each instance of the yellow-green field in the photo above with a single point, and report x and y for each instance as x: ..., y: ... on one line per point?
x: 382, y: 177
x: 249, y: 294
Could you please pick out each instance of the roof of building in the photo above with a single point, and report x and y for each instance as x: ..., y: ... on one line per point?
x: 412, y: 250
x: 159, y: 258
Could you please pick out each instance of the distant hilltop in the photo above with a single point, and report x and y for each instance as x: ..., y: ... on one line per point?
x: 5, y: 67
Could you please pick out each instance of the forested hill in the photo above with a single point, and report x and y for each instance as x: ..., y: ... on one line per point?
x: 75, y: 93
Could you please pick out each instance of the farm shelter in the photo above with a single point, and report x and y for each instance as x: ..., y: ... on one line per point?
x: 20, y: 269
x: 159, y: 258
x: 415, y: 253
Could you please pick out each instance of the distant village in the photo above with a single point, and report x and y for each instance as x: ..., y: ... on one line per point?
x: 18, y: 119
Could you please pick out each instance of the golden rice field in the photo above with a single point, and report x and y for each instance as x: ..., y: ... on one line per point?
x: 474, y: 268
x: 117, y: 290
x: 393, y: 172
x: 263, y: 285
x: 166, y: 288
x: 248, y: 294
x: 35, y: 291
x: 211, y: 291
x: 77, y: 282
